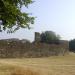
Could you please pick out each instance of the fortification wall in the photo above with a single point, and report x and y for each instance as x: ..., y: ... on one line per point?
x: 37, y: 49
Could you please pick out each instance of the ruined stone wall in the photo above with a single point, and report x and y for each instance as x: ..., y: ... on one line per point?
x: 37, y: 49
x: 37, y: 37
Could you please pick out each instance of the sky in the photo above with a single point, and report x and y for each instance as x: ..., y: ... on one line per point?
x: 51, y: 15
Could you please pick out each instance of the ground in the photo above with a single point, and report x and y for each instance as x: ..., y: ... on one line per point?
x: 55, y: 65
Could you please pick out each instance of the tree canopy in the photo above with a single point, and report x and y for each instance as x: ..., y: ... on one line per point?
x: 50, y: 37
x: 11, y: 16
x: 72, y: 45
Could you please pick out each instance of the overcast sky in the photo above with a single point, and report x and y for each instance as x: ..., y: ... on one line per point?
x: 52, y: 15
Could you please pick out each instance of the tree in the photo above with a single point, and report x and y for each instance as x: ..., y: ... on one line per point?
x: 50, y: 37
x: 11, y: 16
x: 72, y: 45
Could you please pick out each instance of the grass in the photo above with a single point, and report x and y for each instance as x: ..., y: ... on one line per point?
x: 55, y: 65
x: 21, y: 71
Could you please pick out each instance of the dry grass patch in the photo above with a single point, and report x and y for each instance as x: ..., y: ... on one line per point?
x: 7, y: 69
x: 21, y: 71
x: 55, y: 65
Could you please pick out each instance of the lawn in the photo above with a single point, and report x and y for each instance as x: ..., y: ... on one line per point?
x: 55, y: 65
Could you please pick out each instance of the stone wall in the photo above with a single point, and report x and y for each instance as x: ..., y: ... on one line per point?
x: 37, y: 37
x: 20, y: 49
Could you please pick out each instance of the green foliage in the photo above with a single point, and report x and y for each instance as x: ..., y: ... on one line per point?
x: 11, y: 16
x: 72, y: 45
x: 50, y: 37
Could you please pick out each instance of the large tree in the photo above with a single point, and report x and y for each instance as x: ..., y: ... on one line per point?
x: 50, y: 37
x: 11, y: 16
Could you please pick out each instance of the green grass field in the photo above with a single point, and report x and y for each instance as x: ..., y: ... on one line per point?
x: 55, y: 65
